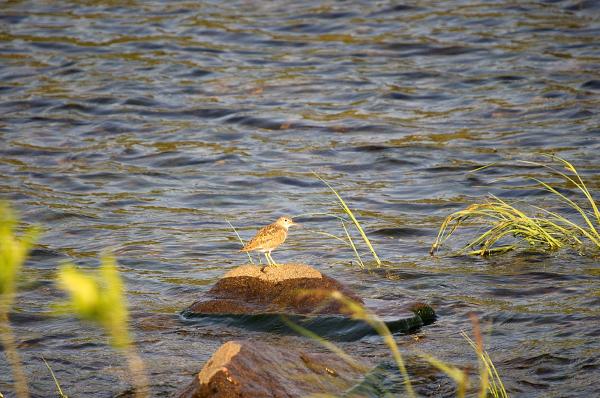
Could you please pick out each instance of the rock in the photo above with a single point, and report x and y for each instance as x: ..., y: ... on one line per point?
x: 257, y: 369
x: 289, y: 288
x: 248, y: 298
x: 423, y: 311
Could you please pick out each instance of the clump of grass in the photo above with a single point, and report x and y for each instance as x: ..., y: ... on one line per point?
x: 100, y: 299
x: 14, y: 249
x: 544, y: 231
x: 356, y: 223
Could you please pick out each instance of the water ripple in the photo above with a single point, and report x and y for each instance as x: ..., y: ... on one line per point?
x: 143, y: 127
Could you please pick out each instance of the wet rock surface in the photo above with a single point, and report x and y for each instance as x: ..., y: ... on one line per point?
x: 256, y: 369
x: 288, y: 288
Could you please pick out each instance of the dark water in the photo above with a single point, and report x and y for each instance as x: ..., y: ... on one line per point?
x: 143, y: 127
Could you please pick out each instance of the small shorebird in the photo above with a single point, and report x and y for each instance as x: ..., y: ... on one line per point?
x: 269, y: 238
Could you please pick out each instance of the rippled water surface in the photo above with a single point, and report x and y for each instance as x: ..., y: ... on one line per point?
x: 144, y: 126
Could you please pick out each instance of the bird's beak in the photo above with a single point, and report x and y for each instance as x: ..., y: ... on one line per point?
x: 296, y: 224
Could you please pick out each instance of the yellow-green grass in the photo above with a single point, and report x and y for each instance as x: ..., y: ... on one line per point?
x: 356, y: 223
x: 491, y: 383
x: 509, y: 227
x: 351, y: 242
x: 100, y: 298
x: 324, y: 342
x: 489, y: 379
x: 459, y: 376
x: 360, y: 312
x: 348, y: 241
x: 56, y: 383
x: 14, y: 249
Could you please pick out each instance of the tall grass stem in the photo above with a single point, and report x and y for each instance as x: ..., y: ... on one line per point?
x: 56, y: 383
x: 353, y: 218
x: 241, y: 241
x: 12, y: 355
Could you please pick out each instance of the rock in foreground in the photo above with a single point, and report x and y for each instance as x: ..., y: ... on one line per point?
x: 256, y: 369
x: 289, y: 288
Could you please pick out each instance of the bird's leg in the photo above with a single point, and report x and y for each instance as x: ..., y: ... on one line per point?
x: 273, y: 261
x: 262, y: 269
x: 267, y: 257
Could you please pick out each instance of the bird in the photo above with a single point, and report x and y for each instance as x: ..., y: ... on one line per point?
x: 269, y: 238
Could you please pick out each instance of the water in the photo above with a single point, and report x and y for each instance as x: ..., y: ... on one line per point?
x: 143, y: 127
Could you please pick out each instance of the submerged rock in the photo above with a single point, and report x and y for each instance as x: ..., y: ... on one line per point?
x: 256, y: 369
x: 289, y: 288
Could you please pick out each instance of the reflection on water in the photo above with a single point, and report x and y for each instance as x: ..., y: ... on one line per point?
x: 142, y: 127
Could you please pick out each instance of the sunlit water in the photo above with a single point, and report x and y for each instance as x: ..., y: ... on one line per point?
x: 143, y: 127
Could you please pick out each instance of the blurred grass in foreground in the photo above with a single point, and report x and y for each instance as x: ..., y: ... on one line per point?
x: 13, y: 253
x: 490, y: 383
x: 100, y: 298
x: 543, y: 231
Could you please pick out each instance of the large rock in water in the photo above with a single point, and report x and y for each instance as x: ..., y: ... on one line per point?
x: 246, y: 297
x: 288, y: 288
x: 256, y: 369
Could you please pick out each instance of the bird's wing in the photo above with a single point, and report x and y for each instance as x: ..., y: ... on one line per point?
x: 271, y: 234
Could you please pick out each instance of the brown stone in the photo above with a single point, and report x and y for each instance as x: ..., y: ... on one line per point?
x: 257, y: 369
x: 289, y: 288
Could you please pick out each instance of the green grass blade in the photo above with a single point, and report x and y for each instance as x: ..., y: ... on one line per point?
x: 491, y: 380
x: 459, y: 376
x: 353, y: 218
x: 582, y: 187
x: 360, y: 262
x: 324, y: 342
x: 359, y: 312
x: 566, y: 221
x: 56, y: 383
x: 579, y: 184
x: 328, y: 235
x: 241, y: 241
x: 574, y: 205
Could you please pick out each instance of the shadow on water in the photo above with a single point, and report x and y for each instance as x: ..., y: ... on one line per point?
x: 336, y: 328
